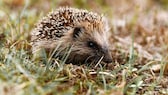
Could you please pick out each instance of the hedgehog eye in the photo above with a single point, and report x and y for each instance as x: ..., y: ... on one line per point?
x: 77, y: 31
x: 92, y: 44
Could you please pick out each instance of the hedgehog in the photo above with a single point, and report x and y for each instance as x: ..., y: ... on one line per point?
x: 86, y: 34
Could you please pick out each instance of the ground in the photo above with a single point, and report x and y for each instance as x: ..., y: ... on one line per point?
x: 139, y: 46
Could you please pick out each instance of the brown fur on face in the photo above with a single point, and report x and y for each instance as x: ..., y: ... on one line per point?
x: 80, y: 52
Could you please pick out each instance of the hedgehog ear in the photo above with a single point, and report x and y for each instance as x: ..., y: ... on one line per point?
x: 77, y: 31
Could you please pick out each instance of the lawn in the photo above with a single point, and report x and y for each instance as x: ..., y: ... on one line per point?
x: 139, y: 47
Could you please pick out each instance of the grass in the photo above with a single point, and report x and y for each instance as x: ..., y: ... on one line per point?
x: 131, y: 72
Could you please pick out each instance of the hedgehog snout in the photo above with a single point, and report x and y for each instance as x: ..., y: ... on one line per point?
x: 107, y: 56
x: 107, y: 59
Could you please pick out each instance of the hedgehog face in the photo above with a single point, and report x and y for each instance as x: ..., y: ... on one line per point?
x: 90, y: 45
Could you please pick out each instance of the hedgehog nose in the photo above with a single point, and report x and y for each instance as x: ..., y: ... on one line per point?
x: 108, y: 58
